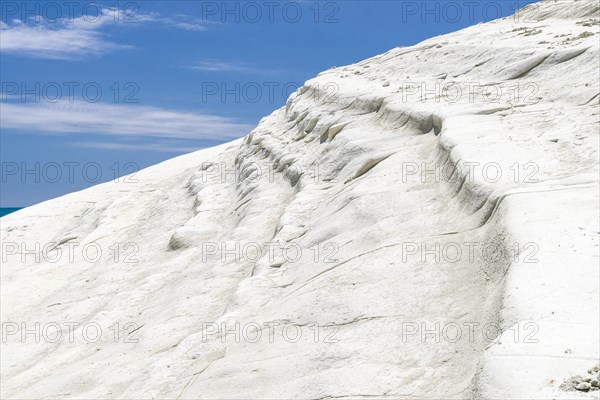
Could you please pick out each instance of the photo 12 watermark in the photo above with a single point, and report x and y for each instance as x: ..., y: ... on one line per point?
x: 452, y: 12
x: 266, y: 171
x: 69, y: 332
x: 275, y: 253
x: 67, y: 172
x: 69, y: 251
x: 453, y: 92
x: 69, y: 91
x: 269, y: 332
x: 252, y: 12
x: 468, y: 172
x: 264, y: 91
x: 55, y: 12
x: 469, y: 332
x: 433, y: 252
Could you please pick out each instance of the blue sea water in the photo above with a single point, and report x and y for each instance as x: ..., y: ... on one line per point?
x: 7, y: 210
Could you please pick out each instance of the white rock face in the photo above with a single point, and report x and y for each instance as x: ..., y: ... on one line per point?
x: 385, y: 260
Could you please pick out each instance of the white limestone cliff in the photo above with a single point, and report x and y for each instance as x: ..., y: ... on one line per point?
x: 344, y: 176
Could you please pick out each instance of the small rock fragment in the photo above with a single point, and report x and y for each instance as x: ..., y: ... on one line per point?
x: 583, y: 386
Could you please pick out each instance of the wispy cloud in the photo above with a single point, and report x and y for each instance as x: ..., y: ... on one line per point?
x: 153, y: 146
x: 184, y: 22
x: 76, y: 38
x: 118, y: 119
x: 213, y: 65
x: 187, y: 26
x: 64, y: 39
x: 222, y: 66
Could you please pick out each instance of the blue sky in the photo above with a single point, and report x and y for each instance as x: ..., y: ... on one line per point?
x: 91, y: 90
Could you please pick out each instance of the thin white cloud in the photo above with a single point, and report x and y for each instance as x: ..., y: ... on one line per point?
x: 75, y: 38
x: 160, y: 147
x: 118, y: 119
x: 222, y: 66
x: 186, y: 26
x: 213, y: 65
x: 64, y: 39
x: 184, y: 22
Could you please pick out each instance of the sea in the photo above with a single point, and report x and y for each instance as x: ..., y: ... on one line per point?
x: 7, y: 210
